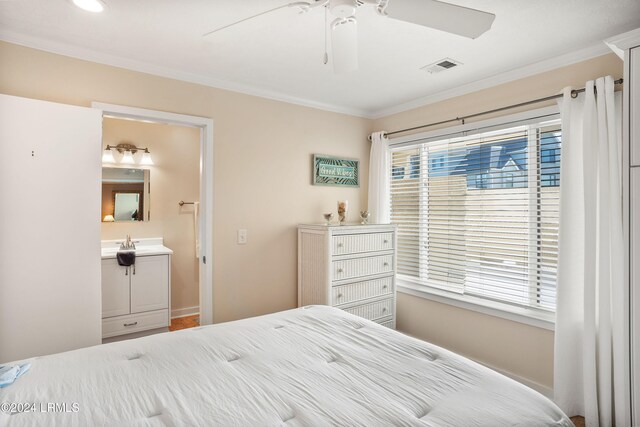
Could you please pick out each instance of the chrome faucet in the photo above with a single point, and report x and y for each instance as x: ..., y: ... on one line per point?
x: 128, y: 244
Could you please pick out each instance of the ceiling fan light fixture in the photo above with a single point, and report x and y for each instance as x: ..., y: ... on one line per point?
x: 94, y: 6
x: 343, y: 8
x: 344, y: 45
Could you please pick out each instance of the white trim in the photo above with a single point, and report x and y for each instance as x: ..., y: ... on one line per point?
x: 206, y: 187
x: 623, y: 41
x: 185, y: 312
x: 573, y: 57
x: 539, y: 319
x: 148, y: 68
x: 580, y: 55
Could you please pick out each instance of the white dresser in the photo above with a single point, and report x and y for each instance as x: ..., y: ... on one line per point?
x: 136, y: 298
x: 351, y: 267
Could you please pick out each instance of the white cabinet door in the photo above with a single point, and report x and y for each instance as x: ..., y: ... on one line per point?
x: 634, y: 107
x: 115, y: 288
x: 634, y: 255
x: 50, y: 173
x: 150, y: 284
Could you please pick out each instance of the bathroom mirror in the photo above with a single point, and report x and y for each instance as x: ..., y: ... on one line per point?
x: 125, y: 195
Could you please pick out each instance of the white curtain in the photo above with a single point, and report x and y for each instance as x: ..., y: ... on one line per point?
x: 590, y: 372
x: 379, y: 165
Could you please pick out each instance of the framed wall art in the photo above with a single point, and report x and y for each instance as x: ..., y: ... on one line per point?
x: 335, y: 171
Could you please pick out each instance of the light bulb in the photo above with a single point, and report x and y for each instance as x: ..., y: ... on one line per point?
x: 95, y: 6
x: 107, y: 156
x: 127, y: 158
x: 146, y: 158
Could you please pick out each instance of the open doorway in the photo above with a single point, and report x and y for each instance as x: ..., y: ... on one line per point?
x: 195, y: 209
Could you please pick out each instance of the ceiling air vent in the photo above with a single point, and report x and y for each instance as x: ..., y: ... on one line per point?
x: 443, y: 64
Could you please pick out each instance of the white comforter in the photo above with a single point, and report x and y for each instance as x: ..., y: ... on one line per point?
x: 313, y: 366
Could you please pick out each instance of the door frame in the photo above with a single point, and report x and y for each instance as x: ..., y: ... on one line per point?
x: 206, y: 187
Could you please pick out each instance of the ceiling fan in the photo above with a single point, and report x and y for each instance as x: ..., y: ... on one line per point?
x: 435, y: 14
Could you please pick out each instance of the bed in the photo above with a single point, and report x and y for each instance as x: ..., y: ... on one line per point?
x: 312, y: 366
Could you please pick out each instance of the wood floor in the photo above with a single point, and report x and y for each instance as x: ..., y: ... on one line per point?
x: 578, y: 421
x: 184, y: 323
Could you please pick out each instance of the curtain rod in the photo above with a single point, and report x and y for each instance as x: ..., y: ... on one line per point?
x: 574, y: 94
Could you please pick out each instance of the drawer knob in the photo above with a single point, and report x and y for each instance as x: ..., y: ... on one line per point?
x: 339, y: 295
x: 386, y: 264
x: 340, y: 270
x: 386, y: 241
x: 131, y: 324
x: 384, y: 287
x: 340, y: 245
x: 384, y: 309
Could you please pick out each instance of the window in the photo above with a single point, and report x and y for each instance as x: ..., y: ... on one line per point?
x: 478, y: 215
x: 397, y: 172
x: 415, y: 167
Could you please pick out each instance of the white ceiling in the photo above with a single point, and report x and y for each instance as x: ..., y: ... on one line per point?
x: 279, y: 55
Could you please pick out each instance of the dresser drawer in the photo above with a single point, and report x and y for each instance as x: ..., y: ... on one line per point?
x: 134, y: 323
x: 344, y: 294
x: 373, y: 310
x: 360, y: 267
x: 386, y: 321
x: 360, y: 243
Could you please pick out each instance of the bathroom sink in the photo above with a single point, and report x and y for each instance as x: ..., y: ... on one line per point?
x: 145, y: 247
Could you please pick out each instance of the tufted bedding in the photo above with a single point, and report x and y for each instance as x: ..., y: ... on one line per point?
x: 314, y: 366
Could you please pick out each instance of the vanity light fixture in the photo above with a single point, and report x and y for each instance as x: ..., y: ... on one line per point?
x: 94, y: 6
x: 146, y: 158
x: 127, y: 151
x: 107, y: 156
x: 127, y: 158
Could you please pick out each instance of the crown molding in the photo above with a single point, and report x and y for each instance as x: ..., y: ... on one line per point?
x: 148, y: 68
x: 624, y: 41
x: 529, y: 70
x: 65, y: 49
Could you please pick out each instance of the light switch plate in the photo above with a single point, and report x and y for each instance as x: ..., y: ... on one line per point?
x: 242, y: 236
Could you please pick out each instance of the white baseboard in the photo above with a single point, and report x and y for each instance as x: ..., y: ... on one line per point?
x: 184, y: 312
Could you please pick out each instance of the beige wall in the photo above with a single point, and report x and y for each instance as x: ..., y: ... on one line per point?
x: 523, y: 350
x: 262, y: 173
x: 174, y: 176
x: 513, y: 347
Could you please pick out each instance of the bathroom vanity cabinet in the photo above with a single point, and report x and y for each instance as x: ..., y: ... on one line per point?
x: 138, y: 297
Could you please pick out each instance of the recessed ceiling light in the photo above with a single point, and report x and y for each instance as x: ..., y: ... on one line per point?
x: 90, y: 5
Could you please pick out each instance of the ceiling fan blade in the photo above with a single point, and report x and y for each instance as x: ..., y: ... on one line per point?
x: 442, y: 16
x: 304, y: 5
x: 344, y: 45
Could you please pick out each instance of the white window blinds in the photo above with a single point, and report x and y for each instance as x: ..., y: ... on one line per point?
x: 479, y: 215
